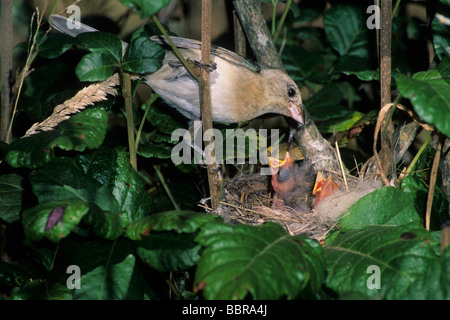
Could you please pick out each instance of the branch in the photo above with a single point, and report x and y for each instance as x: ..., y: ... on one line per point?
x: 205, y: 104
x: 127, y: 96
x: 6, y: 67
x: 386, y: 166
x: 315, y: 148
x: 257, y: 32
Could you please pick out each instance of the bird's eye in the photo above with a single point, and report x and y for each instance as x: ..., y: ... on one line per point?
x: 291, y: 92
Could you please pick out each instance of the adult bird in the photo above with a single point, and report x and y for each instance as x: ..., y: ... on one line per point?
x: 240, y: 90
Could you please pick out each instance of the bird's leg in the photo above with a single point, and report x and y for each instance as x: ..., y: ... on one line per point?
x: 198, y: 64
x: 195, y: 65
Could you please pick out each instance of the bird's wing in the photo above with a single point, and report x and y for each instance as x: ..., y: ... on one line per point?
x: 220, y: 52
x: 74, y: 28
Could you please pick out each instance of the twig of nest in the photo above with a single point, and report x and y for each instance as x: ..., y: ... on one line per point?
x: 249, y: 200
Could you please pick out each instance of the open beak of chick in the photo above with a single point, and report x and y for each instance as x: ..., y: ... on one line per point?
x: 276, y: 164
x: 323, y: 188
x: 284, y: 179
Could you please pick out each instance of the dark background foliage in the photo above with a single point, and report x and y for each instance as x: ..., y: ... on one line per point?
x: 70, y: 196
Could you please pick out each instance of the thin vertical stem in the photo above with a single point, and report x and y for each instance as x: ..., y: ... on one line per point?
x: 283, y: 18
x: 126, y: 92
x: 166, y: 187
x: 433, y: 177
x: 205, y: 103
x: 386, y: 151
x: 6, y: 67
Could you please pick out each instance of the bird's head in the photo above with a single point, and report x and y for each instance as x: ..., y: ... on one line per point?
x: 282, y: 94
x: 283, y: 173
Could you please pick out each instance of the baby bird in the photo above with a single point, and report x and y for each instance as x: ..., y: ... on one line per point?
x: 292, y: 184
x: 323, y: 188
x: 240, y: 90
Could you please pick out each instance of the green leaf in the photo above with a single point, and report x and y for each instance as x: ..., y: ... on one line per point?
x: 155, y: 150
x: 163, y: 121
x: 365, y: 75
x: 143, y: 56
x: 105, y: 224
x: 96, y: 67
x: 148, y: 30
x: 262, y: 262
x: 384, y: 206
x: 108, y: 270
x: 107, y: 282
x: 429, y: 93
x: 346, y: 30
x: 146, y: 8
x: 53, y: 220
x: 349, y: 63
x: 417, y: 184
x: 341, y: 124
x: 303, y: 65
x: 169, y: 251
x: 63, y: 179
x: 166, y: 239
x: 105, y: 58
x: 325, y: 104
x: 112, y: 169
x: 409, y: 266
x: 55, y: 44
x: 11, y: 192
x: 38, y: 95
x: 83, y: 130
x: 104, y: 43
x: 309, y: 10
x: 441, y: 38
x: 179, y: 221
x: 13, y: 275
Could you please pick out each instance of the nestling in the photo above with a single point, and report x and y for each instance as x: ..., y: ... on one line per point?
x: 292, y: 184
x: 240, y: 90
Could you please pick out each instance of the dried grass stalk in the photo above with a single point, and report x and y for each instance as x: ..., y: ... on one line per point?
x: 86, y: 97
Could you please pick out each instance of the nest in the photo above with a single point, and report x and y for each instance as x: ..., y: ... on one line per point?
x: 247, y: 199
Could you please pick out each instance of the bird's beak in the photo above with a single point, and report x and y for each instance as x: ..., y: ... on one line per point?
x: 297, y: 113
x: 323, y: 188
x: 276, y: 163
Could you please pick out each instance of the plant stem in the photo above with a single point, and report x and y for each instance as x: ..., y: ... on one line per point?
x: 157, y: 168
x: 174, y: 48
x: 214, y: 178
x: 6, y: 68
x: 126, y: 93
x: 422, y: 148
x: 274, y: 15
x: 433, y: 177
x: 283, y: 18
x: 141, y: 126
x: 33, y: 49
x: 397, y: 5
x: 387, y: 167
x: 175, y: 289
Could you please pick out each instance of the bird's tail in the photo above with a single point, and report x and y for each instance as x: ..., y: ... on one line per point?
x: 73, y: 28
x: 68, y: 26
